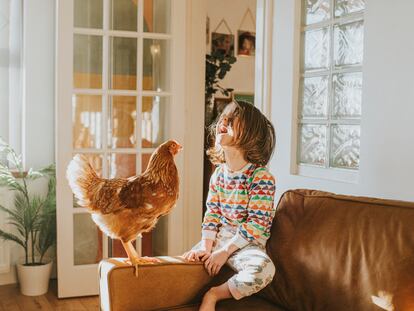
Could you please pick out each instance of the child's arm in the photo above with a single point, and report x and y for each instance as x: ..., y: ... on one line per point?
x: 211, y: 221
x: 202, y: 253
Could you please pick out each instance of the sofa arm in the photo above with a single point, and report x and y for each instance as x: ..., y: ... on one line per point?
x: 171, y: 283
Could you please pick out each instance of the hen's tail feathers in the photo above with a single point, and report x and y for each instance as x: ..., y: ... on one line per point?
x: 82, y: 179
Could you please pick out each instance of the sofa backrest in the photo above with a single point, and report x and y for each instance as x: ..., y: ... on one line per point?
x: 335, y: 252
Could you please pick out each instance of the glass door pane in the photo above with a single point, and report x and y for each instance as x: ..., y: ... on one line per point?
x: 156, y: 65
x: 157, y: 16
x: 155, y: 120
x: 88, y: 13
x: 123, y: 63
x: 87, y: 121
x: 87, y: 240
x: 122, y: 122
x: 122, y: 165
x: 123, y: 15
x: 87, y: 61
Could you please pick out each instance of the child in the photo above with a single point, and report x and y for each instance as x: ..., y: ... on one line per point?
x: 240, y: 208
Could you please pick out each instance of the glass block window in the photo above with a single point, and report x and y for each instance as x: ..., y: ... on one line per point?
x: 331, y: 83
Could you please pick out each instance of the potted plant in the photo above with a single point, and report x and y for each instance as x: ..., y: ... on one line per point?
x: 33, y: 218
x: 217, y: 66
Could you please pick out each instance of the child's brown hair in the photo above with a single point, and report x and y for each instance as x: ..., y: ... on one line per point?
x: 256, y: 135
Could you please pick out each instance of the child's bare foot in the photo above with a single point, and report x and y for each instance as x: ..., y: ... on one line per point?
x: 209, y: 301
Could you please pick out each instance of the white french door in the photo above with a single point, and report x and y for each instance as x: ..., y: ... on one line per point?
x: 120, y: 93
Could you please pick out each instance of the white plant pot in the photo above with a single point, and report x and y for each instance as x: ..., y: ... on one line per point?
x: 34, y: 280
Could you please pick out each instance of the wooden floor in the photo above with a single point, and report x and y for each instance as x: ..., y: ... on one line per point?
x: 12, y: 300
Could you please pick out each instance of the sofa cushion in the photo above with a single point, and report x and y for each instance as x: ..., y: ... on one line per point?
x: 336, y: 252
x: 162, y: 286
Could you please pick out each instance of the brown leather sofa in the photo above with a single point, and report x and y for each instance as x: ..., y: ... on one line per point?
x: 331, y: 252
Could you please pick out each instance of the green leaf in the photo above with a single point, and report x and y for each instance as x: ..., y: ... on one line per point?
x: 47, y: 220
x: 49, y: 170
x: 32, y: 174
x: 18, y: 226
x: 217, y: 67
x: 34, y: 217
x: 12, y: 214
x: 11, y: 237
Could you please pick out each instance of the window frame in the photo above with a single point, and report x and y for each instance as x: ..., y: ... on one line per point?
x: 311, y: 170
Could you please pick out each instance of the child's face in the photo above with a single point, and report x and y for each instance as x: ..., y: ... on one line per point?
x: 227, y: 127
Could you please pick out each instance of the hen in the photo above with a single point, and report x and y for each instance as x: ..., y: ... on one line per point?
x: 123, y: 208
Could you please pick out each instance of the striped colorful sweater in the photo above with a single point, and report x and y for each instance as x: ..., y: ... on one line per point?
x: 243, y: 200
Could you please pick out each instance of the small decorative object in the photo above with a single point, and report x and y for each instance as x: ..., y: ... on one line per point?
x: 244, y: 96
x: 246, y: 43
x: 222, y: 42
x: 34, y: 219
x: 246, y: 39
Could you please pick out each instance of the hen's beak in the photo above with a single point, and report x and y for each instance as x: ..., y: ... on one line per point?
x: 179, y: 148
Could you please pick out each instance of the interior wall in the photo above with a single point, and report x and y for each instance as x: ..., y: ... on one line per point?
x: 387, y: 131
x: 241, y: 75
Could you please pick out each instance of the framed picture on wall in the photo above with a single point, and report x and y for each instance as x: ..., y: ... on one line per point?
x: 246, y: 43
x: 244, y: 96
x: 219, y: 104
x: 222, y: 42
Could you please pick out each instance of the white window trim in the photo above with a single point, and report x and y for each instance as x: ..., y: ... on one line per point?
x: 263, y: 59
x: 307, y: 170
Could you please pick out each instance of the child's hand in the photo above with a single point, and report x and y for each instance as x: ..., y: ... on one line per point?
x: 198, y: 255
x: 216, y: 260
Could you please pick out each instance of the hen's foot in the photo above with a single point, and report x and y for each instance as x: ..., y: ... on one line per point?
x: 151, y: 259
x: 135, y: 261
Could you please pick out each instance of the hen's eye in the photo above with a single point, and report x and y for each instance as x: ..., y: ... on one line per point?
x: 174, y: 145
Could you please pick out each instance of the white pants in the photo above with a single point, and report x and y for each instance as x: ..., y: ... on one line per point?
x: 255, y: 270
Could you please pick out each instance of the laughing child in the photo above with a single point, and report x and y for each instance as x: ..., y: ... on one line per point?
x: 240, y: 206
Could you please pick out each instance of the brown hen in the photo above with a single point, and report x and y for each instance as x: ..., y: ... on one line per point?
x: 123, y: 208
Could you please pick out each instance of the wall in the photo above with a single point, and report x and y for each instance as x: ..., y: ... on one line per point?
x: 387, y: 141
x: 241, y: 75
x: 38, y: 99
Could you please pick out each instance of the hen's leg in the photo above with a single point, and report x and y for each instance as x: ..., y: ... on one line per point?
x: 133, y: 257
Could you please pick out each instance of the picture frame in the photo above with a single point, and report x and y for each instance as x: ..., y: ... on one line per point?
x: 219, y: 104
x: 246, y: 43
x: 244, y: 96
x: 222, y: 42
